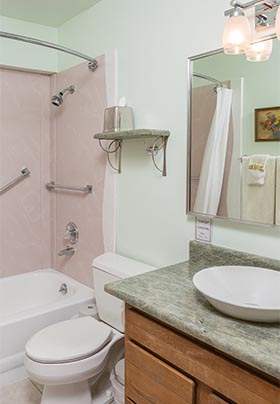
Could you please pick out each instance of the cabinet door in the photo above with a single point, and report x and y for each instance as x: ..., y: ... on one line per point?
x: 203, y: 364
x: 149, y: 380
x: 207, y: 396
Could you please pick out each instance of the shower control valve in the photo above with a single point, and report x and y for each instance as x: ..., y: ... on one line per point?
x: 71, y: 233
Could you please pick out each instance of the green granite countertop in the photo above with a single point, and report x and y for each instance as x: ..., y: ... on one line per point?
x: 168, y: 294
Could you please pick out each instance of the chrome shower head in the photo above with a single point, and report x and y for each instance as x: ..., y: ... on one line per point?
x: 57, y: 99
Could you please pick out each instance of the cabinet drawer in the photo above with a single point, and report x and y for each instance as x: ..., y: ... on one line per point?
x: 202, y: 364
x: 214, y: 399
x: 206, y: 396
x: 149, y: 380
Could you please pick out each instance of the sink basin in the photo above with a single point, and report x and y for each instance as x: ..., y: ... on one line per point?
x: 247, y: 293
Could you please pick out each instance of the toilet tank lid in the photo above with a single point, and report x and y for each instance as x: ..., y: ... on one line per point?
x: 120, y: 266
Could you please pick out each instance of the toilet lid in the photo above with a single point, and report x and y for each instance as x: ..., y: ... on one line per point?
x: 68, y: 341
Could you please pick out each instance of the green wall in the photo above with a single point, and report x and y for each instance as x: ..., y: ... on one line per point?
x: 154, y: 39
x: 23, y: 55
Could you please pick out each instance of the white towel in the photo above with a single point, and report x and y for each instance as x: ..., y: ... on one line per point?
x: 258, y: 202
x: 257, y: 169
x: 277, y: 199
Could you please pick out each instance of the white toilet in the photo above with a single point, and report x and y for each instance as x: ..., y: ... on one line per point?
x: 66, y: 355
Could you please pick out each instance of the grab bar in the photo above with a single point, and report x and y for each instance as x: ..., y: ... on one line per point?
x: 87, y: 189
x: 24, y: 173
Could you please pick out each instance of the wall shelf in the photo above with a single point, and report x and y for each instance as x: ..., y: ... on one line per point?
x: 115, y: 146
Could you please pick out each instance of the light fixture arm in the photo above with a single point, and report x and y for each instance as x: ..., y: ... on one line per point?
x: 245, y: 6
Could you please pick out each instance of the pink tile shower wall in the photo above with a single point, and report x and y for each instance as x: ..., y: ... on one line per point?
x: 78, y: 160
x: 24, y: 142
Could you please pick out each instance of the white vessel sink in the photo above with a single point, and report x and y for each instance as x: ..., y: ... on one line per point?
x: 247, y: 293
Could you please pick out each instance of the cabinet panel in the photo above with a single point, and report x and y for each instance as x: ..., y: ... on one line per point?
x: 211, y: 369
x: 214, y: 399
x: 207, y: 396
x: 149, y: 380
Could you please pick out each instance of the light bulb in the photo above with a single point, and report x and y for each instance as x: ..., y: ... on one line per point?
x: 259, y: 51
x: 277, y: 23
x: 237, y: 35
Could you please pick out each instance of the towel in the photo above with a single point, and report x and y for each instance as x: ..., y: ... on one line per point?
x: 258, y: 202
x: 277, y: 199
x: 257, y: 169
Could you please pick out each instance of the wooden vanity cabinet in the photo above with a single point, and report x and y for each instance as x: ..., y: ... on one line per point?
x: 166, y: 367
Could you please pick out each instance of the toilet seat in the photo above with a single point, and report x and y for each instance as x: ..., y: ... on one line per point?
x: 69, y: 341
x: 68, y: 372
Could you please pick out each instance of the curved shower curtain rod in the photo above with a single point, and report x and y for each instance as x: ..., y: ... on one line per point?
x: 92, y: 65
x: 203, y: 76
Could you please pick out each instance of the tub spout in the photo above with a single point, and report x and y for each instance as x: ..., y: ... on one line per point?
x: 69, y: 251
x: 63, y: 289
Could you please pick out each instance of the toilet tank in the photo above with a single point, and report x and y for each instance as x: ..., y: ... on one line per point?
x: 107, y: 268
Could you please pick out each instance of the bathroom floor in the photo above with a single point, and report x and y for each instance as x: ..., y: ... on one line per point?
x: 26, y: 392
x: 22, y: 392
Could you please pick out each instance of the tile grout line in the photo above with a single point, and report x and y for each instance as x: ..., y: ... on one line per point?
x: 34, y: 385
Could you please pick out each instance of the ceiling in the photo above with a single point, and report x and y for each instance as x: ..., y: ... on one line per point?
x: 46, y: 12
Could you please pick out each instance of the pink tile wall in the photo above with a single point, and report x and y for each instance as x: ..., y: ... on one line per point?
x: 78, y: 160
x: 24, y: 142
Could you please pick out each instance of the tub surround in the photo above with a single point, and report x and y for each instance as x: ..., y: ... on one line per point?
x: 78, y: 160
x: 25, y: 127
x: 168, y: 295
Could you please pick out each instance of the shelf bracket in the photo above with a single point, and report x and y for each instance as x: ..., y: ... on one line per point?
x: 113, y: 147
x: 153, y: 151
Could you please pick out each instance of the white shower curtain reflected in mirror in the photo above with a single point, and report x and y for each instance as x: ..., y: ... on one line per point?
x: 212, y: 170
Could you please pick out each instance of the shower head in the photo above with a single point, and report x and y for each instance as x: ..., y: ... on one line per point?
x: 57, y: 99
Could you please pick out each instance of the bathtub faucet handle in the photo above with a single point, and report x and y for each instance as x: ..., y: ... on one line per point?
x: 71, y: 233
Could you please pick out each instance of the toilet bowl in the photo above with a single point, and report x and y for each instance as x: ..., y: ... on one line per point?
x: 69, y: 353
x: 66, y: 356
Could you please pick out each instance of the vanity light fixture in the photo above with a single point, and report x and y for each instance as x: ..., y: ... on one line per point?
x: 262, y: 50
x: 259, y: 51
x: 237, y: 33
x: 238, y: 37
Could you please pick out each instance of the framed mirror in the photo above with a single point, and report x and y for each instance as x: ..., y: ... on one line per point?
x: 234, y: 137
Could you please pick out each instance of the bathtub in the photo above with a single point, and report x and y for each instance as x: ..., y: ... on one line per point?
x: 28, y: 303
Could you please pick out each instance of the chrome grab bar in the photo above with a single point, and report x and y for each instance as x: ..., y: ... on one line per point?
x: 24, y: 173
x: 87, y: 189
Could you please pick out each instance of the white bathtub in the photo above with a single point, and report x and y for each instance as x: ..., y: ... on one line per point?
x: 28, y: 303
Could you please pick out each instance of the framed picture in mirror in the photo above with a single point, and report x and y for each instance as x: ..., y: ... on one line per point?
x: 267, y: 124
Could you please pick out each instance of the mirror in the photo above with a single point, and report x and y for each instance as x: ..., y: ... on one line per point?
x: 234, y: 137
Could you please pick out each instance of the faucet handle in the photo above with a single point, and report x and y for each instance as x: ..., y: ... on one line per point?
x: 71, y: 233
x: 67, y: 234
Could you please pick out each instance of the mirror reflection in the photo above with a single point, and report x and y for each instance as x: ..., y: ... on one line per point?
x: 235, y: 138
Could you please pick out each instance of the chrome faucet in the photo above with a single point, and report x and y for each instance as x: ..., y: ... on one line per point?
x: 63, y: 289
x: 69, y: 251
